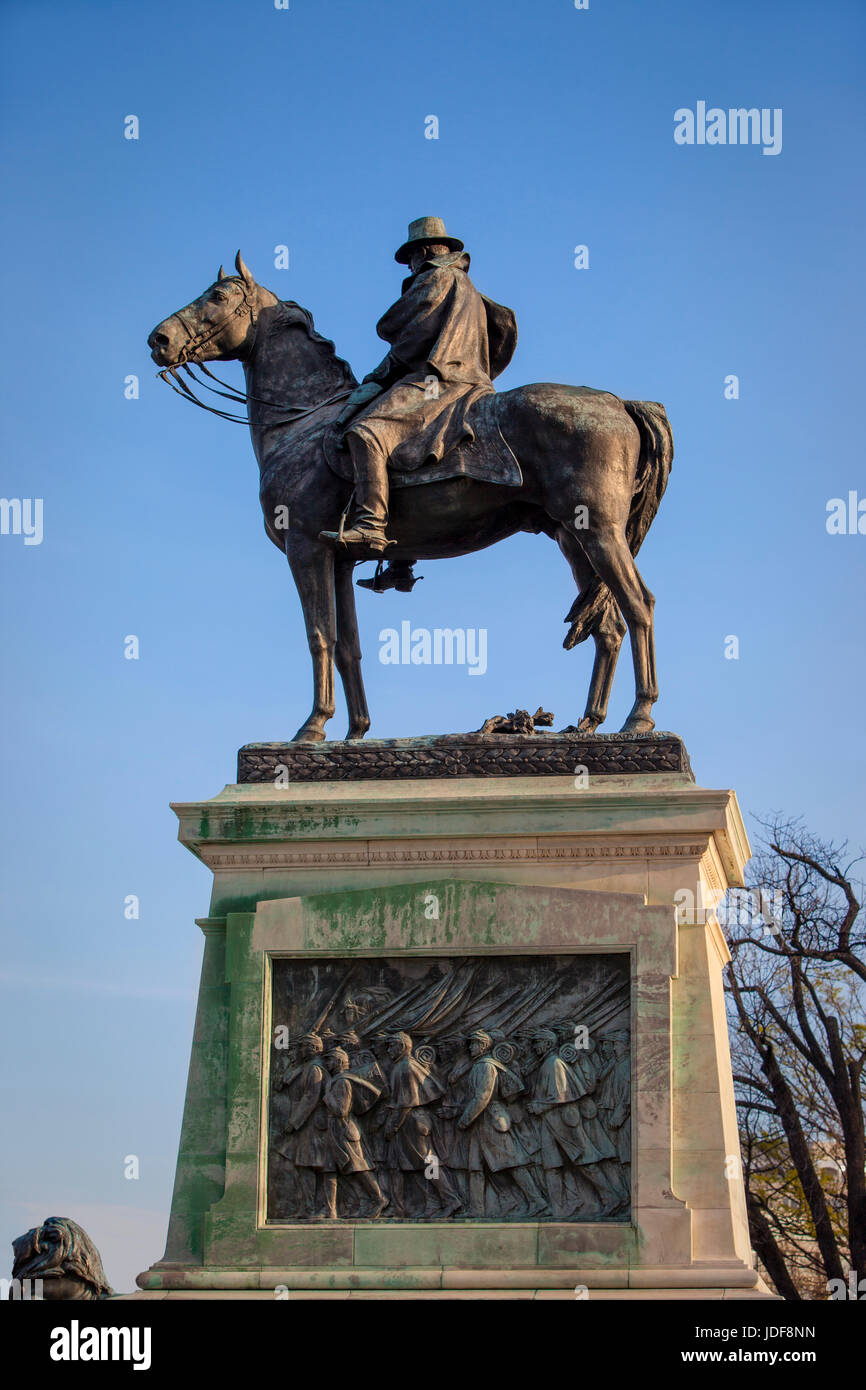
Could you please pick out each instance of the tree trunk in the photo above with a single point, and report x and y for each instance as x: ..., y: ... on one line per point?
x: 768, y: 1251
x: 802, y: 1160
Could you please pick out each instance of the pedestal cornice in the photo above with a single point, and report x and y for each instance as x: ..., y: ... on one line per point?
x: 452, y: 821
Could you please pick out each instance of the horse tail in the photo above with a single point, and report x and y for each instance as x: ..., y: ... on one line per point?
x: 596, y: 604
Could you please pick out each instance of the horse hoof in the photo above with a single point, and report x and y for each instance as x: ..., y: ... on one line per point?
x: 638, y: 725
x: 357, y: 731
x: 309, y: 733
x: 587, y: 725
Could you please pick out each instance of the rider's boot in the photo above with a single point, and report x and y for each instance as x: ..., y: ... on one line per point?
x: 397, y: 574
x: 366, y: 539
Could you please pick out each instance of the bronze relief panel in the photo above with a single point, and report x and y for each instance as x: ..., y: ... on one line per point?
x: 490, y: 1088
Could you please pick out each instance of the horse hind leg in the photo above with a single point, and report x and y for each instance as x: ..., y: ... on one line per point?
x: 607, y: 633
x: 608, y: 552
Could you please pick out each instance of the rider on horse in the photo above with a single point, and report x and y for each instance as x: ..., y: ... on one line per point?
x: 446, y: 343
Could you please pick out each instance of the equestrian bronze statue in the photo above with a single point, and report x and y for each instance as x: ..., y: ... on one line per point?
x: 341, y: 463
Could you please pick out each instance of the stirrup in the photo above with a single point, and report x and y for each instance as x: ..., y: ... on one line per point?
x: 359, y: 546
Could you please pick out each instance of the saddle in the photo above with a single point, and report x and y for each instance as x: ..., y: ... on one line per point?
x: 487, y: 457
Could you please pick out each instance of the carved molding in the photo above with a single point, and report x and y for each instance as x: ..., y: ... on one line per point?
x: 465, y: 755
x: 451, y: 854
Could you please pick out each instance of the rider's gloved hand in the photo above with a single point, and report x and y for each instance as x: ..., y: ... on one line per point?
x: 361, y: 396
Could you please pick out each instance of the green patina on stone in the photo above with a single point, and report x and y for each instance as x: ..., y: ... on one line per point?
x: 245, y: 823
x: 363, y: 919
x: 200, y: 1175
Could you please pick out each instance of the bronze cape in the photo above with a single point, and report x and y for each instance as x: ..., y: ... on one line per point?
x: 447, y: 343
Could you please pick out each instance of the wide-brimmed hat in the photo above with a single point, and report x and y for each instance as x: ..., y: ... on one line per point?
x: 426, y: 229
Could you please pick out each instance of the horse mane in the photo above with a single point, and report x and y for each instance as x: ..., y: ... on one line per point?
x: 291, y: 314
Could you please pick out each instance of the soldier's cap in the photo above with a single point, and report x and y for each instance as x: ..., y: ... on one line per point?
x: 546, y: 1033
x: 426, y: 229
x: 481, y: 1036
x: 340, y: 1055
x: 312, y: 1040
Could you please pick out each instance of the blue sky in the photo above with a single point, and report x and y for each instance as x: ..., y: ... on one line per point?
x: 305, y: 127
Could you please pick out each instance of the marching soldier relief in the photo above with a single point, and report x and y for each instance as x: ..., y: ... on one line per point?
x: 496, y: 1089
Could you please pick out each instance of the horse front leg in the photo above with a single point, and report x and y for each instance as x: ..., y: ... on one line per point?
x: 347, y: 653
x: 312, y: 567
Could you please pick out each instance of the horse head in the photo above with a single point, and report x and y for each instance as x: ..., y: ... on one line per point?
x: 217, y: 327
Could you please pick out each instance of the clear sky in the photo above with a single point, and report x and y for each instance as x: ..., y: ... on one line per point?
x: 306, y: 127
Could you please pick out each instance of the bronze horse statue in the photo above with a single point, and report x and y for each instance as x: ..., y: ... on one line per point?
x: 583, y: 453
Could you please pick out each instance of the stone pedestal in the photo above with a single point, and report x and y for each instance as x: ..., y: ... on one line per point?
x: 452, y: 862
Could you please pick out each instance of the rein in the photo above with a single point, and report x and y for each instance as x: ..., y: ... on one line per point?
x: 238, y: 397
x: 196, y: 341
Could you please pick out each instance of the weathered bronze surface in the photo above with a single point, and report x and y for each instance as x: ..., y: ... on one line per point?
x: 464, y: 755
x: 594, y: 468
x: 517, y: 721
x: 64, y: 1258
x: 491, y: 1088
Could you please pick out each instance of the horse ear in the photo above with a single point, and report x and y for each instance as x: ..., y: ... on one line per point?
x: 242, y: 270
x: 221, y: 275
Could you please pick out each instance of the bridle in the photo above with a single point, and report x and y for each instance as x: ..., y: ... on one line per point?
x: 188, y: 358
x: 195, y: 341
